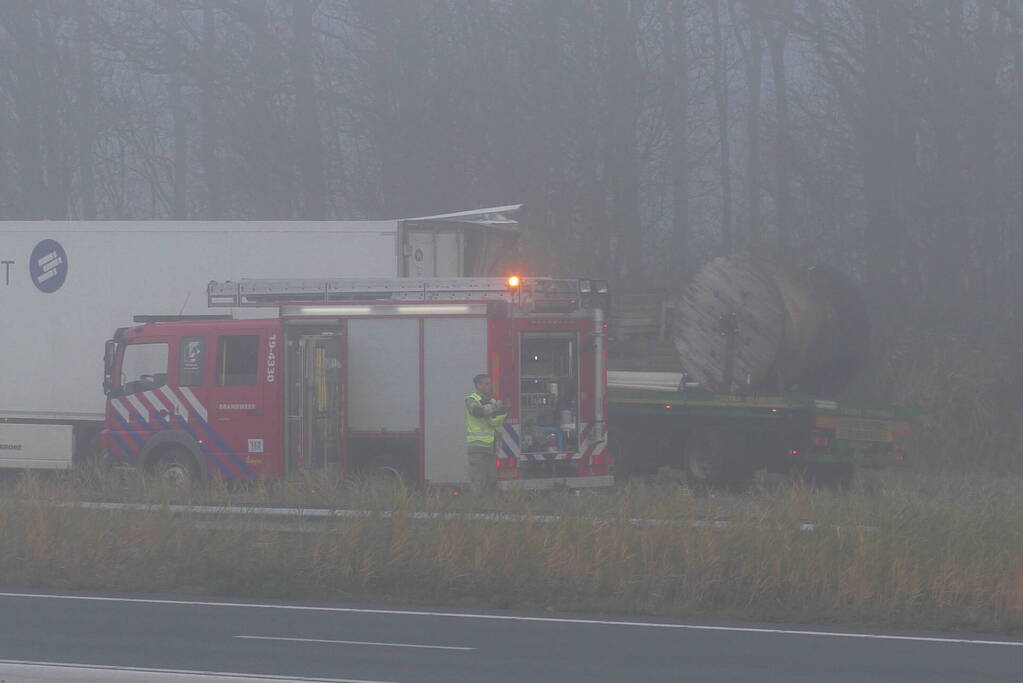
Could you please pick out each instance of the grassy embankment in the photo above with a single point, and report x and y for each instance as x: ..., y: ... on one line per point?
x: 929, y: 553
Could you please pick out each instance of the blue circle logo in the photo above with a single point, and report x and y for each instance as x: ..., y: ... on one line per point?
x: 48, y: 266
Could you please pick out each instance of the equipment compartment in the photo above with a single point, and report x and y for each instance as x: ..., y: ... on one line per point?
x: 549, y: 392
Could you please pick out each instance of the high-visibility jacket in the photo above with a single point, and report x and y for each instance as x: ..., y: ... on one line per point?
x: 480, y: 429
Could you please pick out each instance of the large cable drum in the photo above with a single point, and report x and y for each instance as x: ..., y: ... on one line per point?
x: 743, y: 325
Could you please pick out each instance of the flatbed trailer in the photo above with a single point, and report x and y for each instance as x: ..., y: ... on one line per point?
x: 720, y: 440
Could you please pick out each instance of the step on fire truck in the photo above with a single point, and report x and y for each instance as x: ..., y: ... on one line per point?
x: 358, y: 375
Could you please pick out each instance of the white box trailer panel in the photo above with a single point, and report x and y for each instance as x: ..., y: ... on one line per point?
x: 66, y: 286
x: 35, y: 445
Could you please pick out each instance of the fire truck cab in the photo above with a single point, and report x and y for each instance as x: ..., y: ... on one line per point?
x: 363, y: 376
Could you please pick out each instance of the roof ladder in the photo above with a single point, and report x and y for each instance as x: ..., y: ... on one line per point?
x: 270, y: 292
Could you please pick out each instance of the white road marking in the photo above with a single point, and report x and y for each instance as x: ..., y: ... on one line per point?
x: 357, y: 642
x: 61, y: 671
x: 508, y: 617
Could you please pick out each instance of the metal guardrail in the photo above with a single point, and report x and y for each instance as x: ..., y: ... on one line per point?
x: 323, y: 514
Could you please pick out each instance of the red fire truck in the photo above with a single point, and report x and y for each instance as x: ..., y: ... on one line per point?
x: 358, y: 375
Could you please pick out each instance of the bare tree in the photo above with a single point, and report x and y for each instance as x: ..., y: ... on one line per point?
x: 675, y: 27
x: 86, y: 110
x: 27, y: 73
x: 308, y: 135
x: 751, y: 45
x: 777, y: 33
x: 174, y: 59
x: 208, y: 115
x: 622, y: 80
x: 721, y: 90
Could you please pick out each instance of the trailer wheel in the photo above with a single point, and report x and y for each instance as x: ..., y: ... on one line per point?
x: 175, y: 467
x: 717, y: 458
x: 835, y: 476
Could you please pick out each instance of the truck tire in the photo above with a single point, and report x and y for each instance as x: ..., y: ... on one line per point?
x: 716, y: 458
x: 175, y: 467
x: 89, y: 458
x: 88, y: 446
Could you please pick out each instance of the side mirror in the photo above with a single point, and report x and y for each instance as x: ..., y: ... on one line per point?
x: 109, y: 355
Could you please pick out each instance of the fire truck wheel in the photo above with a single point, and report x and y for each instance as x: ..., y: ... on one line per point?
x: 717, y: 458
x: 176, y: 467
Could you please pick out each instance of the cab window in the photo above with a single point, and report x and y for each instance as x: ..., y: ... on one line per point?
x: 143, y: 367
x: 237, y: 360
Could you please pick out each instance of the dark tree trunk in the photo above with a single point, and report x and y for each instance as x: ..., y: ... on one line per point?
x: 86, y: 130
x: 208, y: 130
x: 782, y: 195
x: 724, y: 144
x: 308, y: 134
x: 23, y: 26
x: 622, y: 86
x: 174, y: 60
x: 676, y: 95
x: 753, y: 60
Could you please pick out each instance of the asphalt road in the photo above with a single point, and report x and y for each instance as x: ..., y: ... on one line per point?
x: 51, y: 637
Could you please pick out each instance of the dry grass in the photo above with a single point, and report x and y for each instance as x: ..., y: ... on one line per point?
x: 968, y: 387
x: 934, y: 552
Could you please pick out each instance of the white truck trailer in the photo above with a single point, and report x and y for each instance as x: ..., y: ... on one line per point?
x: 64, y: 286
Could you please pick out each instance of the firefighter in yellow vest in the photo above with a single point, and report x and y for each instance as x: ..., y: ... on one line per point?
x: 483, y: 415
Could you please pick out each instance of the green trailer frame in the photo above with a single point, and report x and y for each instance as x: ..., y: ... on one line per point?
x: 650, y: 430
